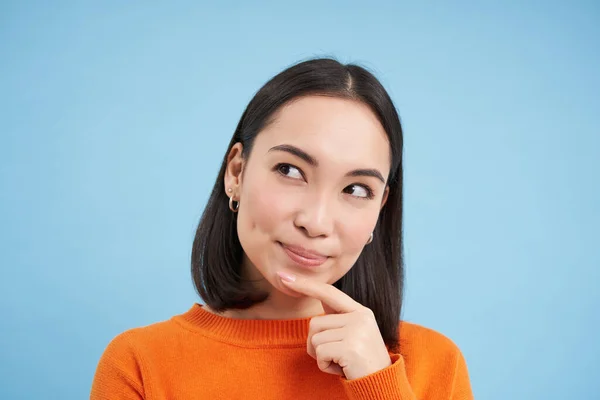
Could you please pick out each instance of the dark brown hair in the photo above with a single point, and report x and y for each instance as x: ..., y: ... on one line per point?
x: 376, y: 279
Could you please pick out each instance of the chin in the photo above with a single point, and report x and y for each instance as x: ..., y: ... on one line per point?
x: 284, y: 289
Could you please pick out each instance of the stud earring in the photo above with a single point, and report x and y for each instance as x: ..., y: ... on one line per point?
x: 370, y: 238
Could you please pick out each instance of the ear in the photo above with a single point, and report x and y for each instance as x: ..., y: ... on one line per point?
x: 386, y: 192
x: 234, y: 169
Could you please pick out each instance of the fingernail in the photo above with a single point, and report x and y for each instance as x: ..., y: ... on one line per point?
x: 286, y: 277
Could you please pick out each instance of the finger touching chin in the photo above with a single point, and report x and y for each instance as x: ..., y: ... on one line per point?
x: 285, y: 289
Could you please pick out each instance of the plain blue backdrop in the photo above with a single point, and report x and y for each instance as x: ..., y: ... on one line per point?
x: 114, y: 118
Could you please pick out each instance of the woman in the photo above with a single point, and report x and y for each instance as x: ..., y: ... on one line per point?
x: 298, y: 257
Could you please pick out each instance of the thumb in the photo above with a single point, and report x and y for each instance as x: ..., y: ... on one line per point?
x: 330, y: 367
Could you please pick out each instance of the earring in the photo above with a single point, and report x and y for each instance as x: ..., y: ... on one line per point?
x: 237, y: 205
x: 370, y: 238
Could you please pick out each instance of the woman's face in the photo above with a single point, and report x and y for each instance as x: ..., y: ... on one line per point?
x: 311, y: 189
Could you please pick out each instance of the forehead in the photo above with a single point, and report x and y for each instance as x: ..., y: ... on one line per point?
x: 337, y: 132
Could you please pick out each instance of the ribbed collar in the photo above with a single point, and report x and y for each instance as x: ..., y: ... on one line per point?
x: 246, y: 332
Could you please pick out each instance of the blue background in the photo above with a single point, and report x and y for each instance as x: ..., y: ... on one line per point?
x: 114, y: 118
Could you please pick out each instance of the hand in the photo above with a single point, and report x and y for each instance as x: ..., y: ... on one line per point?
x: 346, y: 341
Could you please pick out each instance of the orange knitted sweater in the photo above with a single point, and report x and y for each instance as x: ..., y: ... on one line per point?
x: 200, y: 355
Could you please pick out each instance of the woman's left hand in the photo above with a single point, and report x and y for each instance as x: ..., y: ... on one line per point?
x: 346, y: 341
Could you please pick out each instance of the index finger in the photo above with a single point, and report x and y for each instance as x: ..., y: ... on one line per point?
x: 328, y: 294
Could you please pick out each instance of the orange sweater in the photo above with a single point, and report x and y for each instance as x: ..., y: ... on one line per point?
x: 199, y: 355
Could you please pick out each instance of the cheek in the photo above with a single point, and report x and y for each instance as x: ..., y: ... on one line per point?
x: 262, y: 218
x: 262, y: 211
x: 355, y: 235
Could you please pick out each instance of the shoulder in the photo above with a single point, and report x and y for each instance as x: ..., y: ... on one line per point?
x: 122, y: 367
x: 422, y: 345
x: 433, y: 362
x: 136, y: 340
x: 132, y: 349
x: 419, y: 334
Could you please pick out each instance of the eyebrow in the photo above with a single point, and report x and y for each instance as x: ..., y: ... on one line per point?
x: 313, y: 161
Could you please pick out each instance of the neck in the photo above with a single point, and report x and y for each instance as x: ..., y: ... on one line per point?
x: 279, y: 306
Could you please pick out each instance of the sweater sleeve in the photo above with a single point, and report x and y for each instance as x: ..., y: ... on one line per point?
x: 392, y: 383
x: 119, y: 373
x: 461, y: 384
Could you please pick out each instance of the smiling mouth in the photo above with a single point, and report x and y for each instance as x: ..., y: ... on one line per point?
x: 303, y: 257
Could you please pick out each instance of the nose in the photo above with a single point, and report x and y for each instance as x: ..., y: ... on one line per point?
x: 315, y: 217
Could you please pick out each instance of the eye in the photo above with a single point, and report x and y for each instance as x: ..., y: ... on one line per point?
x: 360, y: 191
x: 289, y: 171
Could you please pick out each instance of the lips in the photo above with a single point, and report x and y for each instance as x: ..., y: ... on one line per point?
x: 303, y: 257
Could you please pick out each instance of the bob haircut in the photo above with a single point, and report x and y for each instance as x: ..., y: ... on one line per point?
x: 376, y: 279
